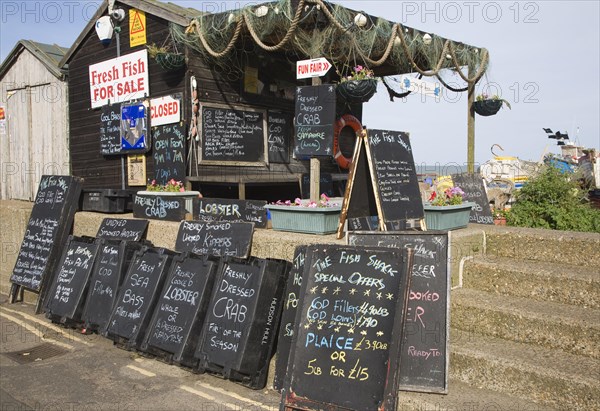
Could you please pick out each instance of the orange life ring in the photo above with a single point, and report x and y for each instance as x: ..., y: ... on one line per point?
x: 345, y: 120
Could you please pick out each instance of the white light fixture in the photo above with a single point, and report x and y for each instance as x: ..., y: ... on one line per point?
x: 360, y: 20
x: 261, y: 11
x: 427, y: 38
x: 104, y: 29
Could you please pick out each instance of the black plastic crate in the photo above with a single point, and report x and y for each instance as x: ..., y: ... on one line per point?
x: 106, y: 200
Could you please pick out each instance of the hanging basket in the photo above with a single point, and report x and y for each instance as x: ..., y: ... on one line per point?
x: 487, y: 107
x: 170, y: 61
x: 357, y: 91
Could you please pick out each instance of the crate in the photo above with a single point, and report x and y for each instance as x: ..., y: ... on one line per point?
x: 106, y: 200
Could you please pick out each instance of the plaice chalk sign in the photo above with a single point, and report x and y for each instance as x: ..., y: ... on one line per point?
x: 312, y: 68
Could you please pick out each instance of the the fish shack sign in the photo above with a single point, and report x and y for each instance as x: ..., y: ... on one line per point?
x: 120, y: 79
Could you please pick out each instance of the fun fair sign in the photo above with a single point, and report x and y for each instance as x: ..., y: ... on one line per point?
x: 120, y: 79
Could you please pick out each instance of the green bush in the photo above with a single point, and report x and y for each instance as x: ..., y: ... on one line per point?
x: 553, y: 200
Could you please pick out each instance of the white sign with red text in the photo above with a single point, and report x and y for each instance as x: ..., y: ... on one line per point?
x: 312, y: 68
x: 120, y: 79
x: 165, y: 110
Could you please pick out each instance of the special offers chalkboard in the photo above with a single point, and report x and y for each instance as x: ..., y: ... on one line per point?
x: 424, y: 355
x: 472, y: 185
x: 314, y: 121
x: 349, y: 321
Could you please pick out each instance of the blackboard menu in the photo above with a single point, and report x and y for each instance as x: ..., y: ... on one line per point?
x: 349, y: 325
x: 47, y: 231
x: 159, y: 207
x: 291, y: 297
x: 396, y: 182
x: 279, y: 135
x: 110, y: 130
x: 218, y: 239
x: 111, y: 265
x: 325, y: 185
x: 424, y: 355
x: 181, y: 308
x: 472, y: 185
x: 137, y: 297
x: 314, y: 121
x: 242, y: 320
x: 67, y: 295
x: 369, y: 223
x: 169, y: 153
x: 122, y: 229
x: 233, y: 135
x: 221, y: 209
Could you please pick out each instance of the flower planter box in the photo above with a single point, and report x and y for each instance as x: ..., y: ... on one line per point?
x: 487, y: 107
x: 160, y: 205
x: 357, y: 91
x: 318, y: 220
x: 447, y: 217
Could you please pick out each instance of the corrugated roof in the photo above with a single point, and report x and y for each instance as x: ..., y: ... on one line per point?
x: 50, y: 55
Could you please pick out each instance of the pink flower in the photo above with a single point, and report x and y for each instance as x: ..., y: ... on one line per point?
x: 298, y: 201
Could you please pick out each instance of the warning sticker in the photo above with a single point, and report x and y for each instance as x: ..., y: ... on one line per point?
x: 137, y: 28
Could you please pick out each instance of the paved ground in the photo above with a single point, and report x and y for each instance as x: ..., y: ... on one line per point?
x: 91, y: 373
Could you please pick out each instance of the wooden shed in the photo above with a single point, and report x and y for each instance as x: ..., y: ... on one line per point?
x: 235, y: 83
x: 34, y: 126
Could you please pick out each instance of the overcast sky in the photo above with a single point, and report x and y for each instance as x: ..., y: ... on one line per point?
x: 544, y: 60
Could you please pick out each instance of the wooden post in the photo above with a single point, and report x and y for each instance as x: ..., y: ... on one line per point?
x: 242, y: 191
x: 471, y: 124
x: 315, y: 165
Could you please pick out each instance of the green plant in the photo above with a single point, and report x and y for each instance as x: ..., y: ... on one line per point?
x: 553, y: 200
x: 450, y: 196
x: 154, y: 50
x: 171, y: 186
x: 323, y: 202
x: 358, y: 73
x: 484, y: 97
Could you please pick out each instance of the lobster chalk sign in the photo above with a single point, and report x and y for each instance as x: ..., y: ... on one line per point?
x: 134, y: 128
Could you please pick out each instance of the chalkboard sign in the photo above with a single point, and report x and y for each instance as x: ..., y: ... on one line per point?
x: 181, y: 308
x: 218, y: 239
x: 349, y: 324
x: 369, y: 223
x: 314, y: 121
x: 424, y: 355
x: 111, y: 265
x: 288, y: 316
x: 325, y: 185
x: 159, y: 207
x: 122, y: 229
x: 396, y: 184
x: 221, y: 209
x: 242, y: 320
x: 137, y: 297
x: 110, y: 130
x: 279, y: 136
x: 67, y: 294
x: 169, y: 153
x: 233, y: 135
x: 46, y: 233
x: 472, y: 185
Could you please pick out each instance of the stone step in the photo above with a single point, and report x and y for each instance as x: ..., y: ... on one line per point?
x: 557, y: 326
x: 566, y: 247
x: 538, y: 280
x: 463, y: 397
x: 553, y: 378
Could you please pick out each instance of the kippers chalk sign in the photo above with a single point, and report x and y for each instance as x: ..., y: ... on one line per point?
x: 120, y: 79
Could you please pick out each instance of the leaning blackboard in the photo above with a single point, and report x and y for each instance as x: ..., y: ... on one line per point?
x: 67, y: 293
x: 122, y: 229
x: 349, y: 323
x: 396, y: 184
x: 110, y: 130
x: 169, y: 152
x: 111, y: 265
x: 221, y: 209
x: 472, y: 185
x: 314, y: 121
x: 279, y: 136
x: 424, y: 356
x: 46, y: 233
x: 233, y: 135
x: 288, y: 316
x: 137, y: 297
x: 217, y: 239
x: 242, y: 320
x: 181, y: 308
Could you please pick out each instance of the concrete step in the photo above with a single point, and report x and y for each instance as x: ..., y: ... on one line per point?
x: 538, y: 280
x: 558, y: 326
x: 553, y: 378
x: 566, y: 247
x: 463, y: 397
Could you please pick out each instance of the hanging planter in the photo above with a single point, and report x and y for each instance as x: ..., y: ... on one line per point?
x: 357, y: 91
x: 166, y: 58
x: 485, y: 106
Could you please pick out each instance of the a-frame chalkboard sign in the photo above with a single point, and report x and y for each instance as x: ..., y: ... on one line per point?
x: 46, y: 233
x: 382, y: 182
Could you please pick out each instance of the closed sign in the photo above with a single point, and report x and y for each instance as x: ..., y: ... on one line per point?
x: 165, y: 110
